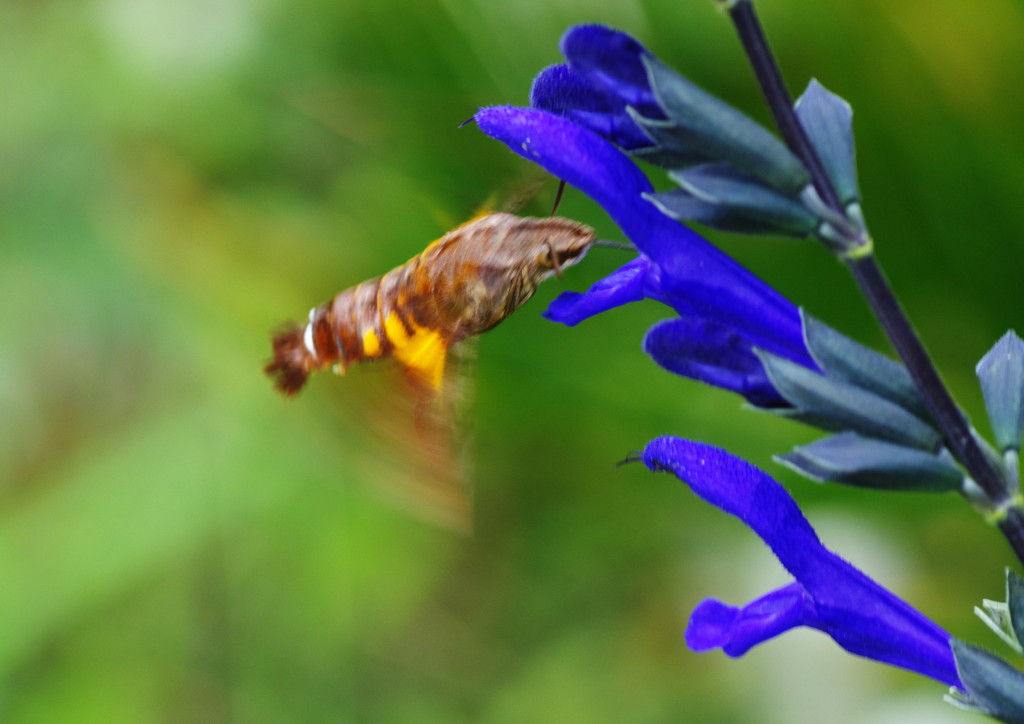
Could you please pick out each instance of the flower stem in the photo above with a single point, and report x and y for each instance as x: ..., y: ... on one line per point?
x: 1012, y: 527
x: 752, y: 36
x: 955, y: 428
x: 865, y: 269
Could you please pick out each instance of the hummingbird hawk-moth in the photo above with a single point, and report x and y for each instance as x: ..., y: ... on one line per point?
x: 461, y: 285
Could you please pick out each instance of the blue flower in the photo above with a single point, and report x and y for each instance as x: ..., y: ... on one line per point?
x: 725, y: 311
x: 828, y: 594
x: 734, y: 173
x: 604, y: 76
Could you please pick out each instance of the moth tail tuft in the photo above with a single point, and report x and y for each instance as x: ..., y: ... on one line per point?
x: 292, y: 361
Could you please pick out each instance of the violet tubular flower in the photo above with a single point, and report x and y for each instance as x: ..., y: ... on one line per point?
x: 828, y: 593
x: 605, y: 77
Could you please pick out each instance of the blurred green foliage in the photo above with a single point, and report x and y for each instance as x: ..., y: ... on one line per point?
x: 178, y: 543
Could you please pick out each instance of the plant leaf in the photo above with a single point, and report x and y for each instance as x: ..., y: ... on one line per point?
x: 868, y: 463
x: 828, y: 122
x: 845, y: 359
x: 700, y: 120
x: 1015, y: 603
x: 1001, y: 372
x: 993, y: 686
x: 838, y: 406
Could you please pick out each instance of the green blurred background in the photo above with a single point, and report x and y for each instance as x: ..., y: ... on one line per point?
x: 180, y: 544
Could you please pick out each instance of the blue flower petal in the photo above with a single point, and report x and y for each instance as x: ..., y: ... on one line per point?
x: 716, y: 625
x: 587, y: 161
x: 559, y: 89
x: 738, y: 299
x: 563, y: 91
x: 593, y: 165
x: 613, y: 61
x: 622, y: 286
x: 859, y: 615
x: 714, y: 354
x: 695, y: 346
x: 738, y: 488
x: 604, y: 76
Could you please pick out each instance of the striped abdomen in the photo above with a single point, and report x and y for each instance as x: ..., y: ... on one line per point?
x: 461, y: 285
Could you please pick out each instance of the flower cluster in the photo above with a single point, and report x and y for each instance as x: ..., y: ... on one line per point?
x: 733, y: 330
x: 613, y: 103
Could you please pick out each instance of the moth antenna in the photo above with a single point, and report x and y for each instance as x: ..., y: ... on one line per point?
x: 624, y: 245
x: 558, y: 198
x: 292, y: 361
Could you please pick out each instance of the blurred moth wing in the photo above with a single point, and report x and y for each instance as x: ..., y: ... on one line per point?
x: 435, y: 438
x: 417, y: 443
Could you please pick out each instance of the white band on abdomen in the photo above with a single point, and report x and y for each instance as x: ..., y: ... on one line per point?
x: 307, y: 336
